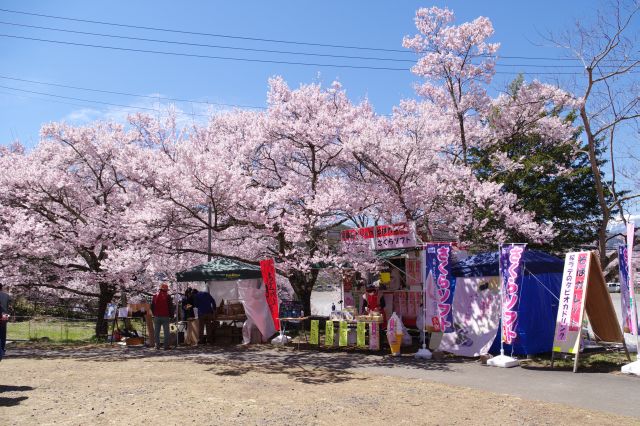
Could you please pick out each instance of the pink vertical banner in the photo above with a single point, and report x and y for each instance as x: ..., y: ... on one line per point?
x: 374, y: 336
x: 631, y: 278
x: 627, y: 290
x: 402, y: 295
x: 396, y: 301
x: 411, y: 304
x: 413, y: 272
x: 578, y: 293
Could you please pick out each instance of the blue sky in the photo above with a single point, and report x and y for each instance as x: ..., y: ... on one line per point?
x: 356, y: 23
x: 519, y: 26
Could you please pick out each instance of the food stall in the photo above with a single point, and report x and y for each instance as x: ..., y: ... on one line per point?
x: 399, y: 282
x: 239, y: 294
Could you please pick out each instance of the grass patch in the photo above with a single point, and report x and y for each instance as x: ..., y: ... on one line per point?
x: 51, y: 331
x: 602, y: 362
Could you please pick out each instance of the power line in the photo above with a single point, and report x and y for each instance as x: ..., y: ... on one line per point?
x: 260, y: 39
x: 90, y: 100
x: 193, y: 55
x: 216, y: 46
x: 20, y: 95
x: 247, y: 49
x: 140, y: 27
x: 270, y: 61
x: 128, y: 94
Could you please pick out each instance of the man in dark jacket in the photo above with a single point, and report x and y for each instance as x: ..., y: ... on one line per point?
x: 206, y: 306
x: 5, y: 306
x: 162, y: 309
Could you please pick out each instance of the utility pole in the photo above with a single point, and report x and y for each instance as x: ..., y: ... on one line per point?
x: 209, y: 229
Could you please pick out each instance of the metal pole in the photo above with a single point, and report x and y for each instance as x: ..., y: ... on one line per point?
x: 209, y: 232
x: 501, y: 300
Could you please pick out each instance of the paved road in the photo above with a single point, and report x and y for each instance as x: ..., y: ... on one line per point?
x: 615, y: 393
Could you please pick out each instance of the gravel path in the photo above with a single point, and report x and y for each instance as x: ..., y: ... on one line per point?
x: 257, y: 385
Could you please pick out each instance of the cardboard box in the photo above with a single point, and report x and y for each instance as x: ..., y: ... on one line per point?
x: 134, y: 341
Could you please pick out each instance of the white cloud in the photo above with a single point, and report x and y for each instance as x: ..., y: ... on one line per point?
x: 617, y: 226
x: 188, y: 113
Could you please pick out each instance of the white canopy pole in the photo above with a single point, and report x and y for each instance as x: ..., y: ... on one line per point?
x: 423, y: 352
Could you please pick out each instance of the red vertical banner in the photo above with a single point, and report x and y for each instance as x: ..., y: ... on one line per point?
x: 268, y: 269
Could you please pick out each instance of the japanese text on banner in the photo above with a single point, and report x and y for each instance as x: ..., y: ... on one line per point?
x: 575, y: 280
x: 511, y: 257
x: 438, y: 261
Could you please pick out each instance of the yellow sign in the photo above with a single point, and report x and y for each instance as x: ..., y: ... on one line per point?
x: 315, y: 325
x: 328, y: 334
x: 360, y: 334
x: 342, y: 341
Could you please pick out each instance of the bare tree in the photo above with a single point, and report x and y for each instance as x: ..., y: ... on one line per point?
x: 609, y: 106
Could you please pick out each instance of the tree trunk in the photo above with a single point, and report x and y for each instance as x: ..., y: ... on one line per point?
x: 599, y: 188
x: 106, y: 296
x: 302, y: 285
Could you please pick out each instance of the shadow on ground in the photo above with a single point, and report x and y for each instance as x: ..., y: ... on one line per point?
x: 312, y: 365
x: 10, y: 401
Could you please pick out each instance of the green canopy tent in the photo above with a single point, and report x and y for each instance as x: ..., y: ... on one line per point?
x: 222, y: 276
x: 220, y: 269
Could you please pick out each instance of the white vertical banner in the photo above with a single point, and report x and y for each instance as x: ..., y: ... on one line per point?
x: 572, y: 302
x: 631, y: 279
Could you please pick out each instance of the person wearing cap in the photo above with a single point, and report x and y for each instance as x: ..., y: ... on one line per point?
x: 162, y: 310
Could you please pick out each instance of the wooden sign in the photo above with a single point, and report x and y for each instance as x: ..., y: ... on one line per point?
x: 584, y: 291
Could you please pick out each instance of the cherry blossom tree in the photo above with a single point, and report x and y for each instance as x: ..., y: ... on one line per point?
x: 65, y: 216
x: 455, y: 120
x: 410, y: 168
x: 109, y: 208
x: 274, y: 181
x: 297, y: 165
x: 456, y: 61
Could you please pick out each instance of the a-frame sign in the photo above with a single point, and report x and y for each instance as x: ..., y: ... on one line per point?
x: 584, y: 289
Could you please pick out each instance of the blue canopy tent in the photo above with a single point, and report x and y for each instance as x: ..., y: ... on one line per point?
x: 538, y: 306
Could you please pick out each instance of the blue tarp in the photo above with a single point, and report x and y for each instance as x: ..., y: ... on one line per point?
x: 539, y: 298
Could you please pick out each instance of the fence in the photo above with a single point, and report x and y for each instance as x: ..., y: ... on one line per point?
x: 52, y: 329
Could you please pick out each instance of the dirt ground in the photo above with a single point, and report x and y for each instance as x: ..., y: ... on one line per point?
x: 125, y: 386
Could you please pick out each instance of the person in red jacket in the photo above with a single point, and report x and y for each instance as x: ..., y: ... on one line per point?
x: 162, y: 310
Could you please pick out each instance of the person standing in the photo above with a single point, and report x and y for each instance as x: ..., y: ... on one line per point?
x: 206, y: 306
x: 162, y: 310
x: 6, y: 303
x: 373, y: 302
x: 189, y: 316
